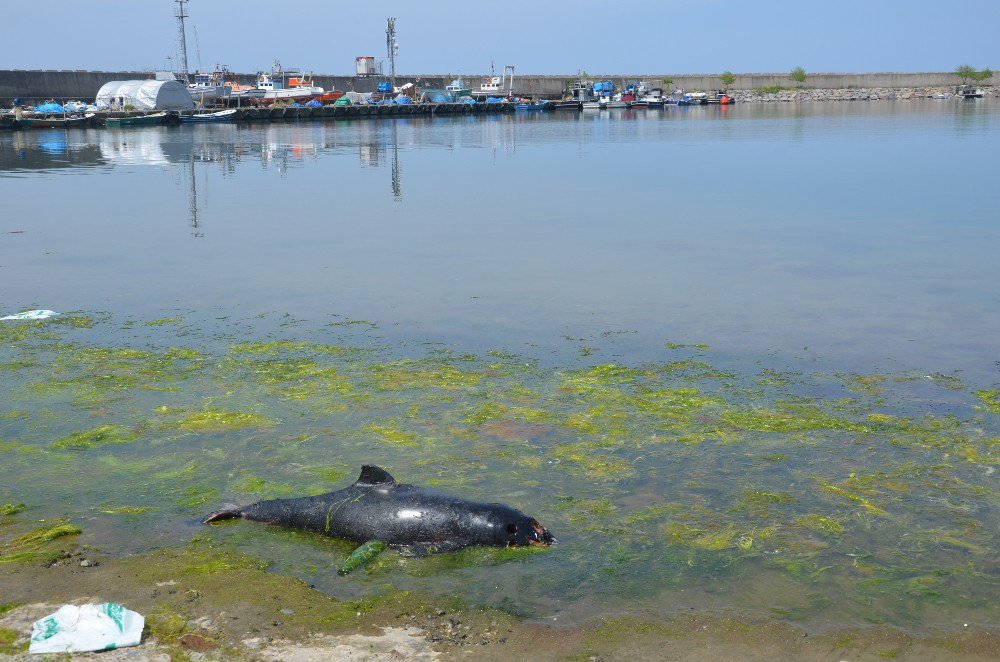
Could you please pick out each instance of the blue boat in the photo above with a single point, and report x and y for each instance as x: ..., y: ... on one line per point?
x: 531, y: 105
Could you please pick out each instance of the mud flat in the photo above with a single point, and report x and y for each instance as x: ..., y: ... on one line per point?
x: 204, y: 603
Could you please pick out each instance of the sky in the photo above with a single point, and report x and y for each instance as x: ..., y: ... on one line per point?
x: 537, y: 37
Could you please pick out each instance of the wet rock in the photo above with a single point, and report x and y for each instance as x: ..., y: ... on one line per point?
x: 196, y: 643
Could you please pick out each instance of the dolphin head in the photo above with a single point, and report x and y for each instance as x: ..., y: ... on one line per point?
x: 518, y: 530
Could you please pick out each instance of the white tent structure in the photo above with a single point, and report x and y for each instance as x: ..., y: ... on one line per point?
x: 144, y: 95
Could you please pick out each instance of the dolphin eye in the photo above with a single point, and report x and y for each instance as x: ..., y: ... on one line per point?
x: 512, y: 528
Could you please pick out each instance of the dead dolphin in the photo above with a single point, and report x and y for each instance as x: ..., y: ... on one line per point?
x: 415, y: 520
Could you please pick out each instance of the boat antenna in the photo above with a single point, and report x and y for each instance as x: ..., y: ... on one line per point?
x: 181, y: 38
x: 197, y: 46
x: 392, y: 48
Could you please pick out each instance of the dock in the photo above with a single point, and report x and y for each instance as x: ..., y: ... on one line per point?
x: 289, y: 113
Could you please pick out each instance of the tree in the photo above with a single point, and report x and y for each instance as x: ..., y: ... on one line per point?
x: 798, y: 74
x: 967, y: 72
x: 727, y: 78
x: 668, y: 81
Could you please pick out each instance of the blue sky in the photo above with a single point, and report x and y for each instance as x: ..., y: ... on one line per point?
x: 543, y: 36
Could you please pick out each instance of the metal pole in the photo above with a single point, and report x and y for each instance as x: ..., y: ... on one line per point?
x: 180, y: 30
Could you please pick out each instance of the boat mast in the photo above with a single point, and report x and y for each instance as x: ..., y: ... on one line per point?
x: 392, y: 48
x: 180, y: 35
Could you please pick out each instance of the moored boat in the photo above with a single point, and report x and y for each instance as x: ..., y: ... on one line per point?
x: 458, y: 88
x: 719, y: 97
x: 697, y: 98
x: 531, y: 105
x: 208, y: 88
x: 650, y: 99
x: 137, y: 120
x: 284, y: 85
x: 65, y: 122
x: 227, y: 115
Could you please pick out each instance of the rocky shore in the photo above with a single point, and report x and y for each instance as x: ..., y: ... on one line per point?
x: 850, y: 94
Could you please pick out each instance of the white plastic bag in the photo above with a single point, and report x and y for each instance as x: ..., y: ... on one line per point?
x: 30, y: 315
x: 74, y: 629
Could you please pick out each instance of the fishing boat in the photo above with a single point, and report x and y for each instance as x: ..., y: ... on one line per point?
x: 208, y: 88
x: 458, y: 88
x: 137, y: 120
x: 719, y: 97
x: 65, y: 122
x: 227, y: 115
x: 283, y: 85
x: 612, y: 101
x: 650, y: 99
x: 531, y: 105
x: 697, y: 98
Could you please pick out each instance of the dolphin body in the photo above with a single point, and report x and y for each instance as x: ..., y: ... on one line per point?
x: 415, y: 520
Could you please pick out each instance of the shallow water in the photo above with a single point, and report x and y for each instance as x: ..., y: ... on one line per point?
x: 736, y: 358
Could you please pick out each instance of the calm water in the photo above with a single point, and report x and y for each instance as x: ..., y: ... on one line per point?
x: 835, y: 258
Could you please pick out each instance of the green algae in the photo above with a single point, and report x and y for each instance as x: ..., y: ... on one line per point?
x: 127, y: 510
x: 790, y: 418
x: 392, y: 434
x: 990, y: 400
x: 822, y: 524
x: 96, y: 437
x: 10, y: 509
x: 7, y: 645
x: 856, y: 498
x: 164, y: 321
x: 33, y: 545
x: 582, y: 458
x: 215, y: 421
x: 726, y: 451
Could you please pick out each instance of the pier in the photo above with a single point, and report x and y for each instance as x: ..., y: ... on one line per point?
x: 291, y: 113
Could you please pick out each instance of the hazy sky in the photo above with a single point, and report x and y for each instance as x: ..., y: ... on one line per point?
x: 540, y: 36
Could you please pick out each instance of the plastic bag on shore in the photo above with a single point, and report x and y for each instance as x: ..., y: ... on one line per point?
x: 78, y: 629
x: 30, y: 315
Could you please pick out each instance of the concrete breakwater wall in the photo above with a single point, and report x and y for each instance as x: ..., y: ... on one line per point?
x: 33, y: 86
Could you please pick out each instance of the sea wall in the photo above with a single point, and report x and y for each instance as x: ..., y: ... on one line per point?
x: 63, y: 85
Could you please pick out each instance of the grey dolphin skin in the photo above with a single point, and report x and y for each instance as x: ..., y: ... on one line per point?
x: 413, y: 519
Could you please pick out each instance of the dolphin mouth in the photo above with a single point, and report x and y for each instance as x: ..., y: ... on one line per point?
x: 542, y: 536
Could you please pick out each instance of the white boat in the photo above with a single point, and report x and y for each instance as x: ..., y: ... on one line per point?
x: 282, y: 85
x: 220, y: 116
x: 209, y: 87
x: 608, y: 101
x: 492, y: 86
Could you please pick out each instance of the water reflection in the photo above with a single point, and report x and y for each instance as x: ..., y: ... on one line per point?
x: 761, y: 225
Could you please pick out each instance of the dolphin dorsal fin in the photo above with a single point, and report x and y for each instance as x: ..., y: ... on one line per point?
x: 372, y: 475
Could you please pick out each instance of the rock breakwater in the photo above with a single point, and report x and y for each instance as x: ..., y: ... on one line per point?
x: 850, y: 94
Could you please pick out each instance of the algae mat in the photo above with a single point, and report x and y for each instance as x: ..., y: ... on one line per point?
x: 824, y: 499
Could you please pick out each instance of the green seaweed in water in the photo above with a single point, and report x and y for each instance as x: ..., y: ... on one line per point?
x: 99, y: 436
x: 213, y: 421
x: 31, y: 546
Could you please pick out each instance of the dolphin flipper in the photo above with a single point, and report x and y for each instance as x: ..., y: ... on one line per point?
x: 225, y: 513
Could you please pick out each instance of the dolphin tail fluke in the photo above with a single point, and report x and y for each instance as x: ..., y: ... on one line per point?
x: 226, y: 513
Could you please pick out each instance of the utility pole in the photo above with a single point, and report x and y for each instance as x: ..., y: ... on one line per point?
x: 180, y: 35
x: 392, y: 47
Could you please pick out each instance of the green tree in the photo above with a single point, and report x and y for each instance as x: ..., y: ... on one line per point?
x: 668, y: 81
x: 967, y: 72
x: 798, y: 74
x: 727, y: 78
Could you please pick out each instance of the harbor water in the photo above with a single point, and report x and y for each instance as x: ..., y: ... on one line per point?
x: 735, y: 358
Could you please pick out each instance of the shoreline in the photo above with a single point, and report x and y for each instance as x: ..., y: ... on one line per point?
x: 205, y: 603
